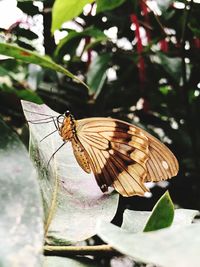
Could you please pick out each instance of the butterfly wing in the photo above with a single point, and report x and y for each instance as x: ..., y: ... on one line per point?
x: 123, y: 155
x: 162, y: 164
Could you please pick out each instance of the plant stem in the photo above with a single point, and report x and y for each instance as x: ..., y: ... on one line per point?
x: 79, y: 250
x: 157, y: 19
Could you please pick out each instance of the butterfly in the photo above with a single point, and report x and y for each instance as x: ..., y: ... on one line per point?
x: 119, y: 154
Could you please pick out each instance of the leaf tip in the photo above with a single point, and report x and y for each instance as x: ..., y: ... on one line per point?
x: 162, y: 214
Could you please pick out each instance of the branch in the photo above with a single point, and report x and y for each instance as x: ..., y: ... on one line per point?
x: 79, y: 250
x: 157, y: 19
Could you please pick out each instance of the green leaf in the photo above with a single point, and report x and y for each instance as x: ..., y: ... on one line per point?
x: 162, y: 214
x: 66, y: 45
x: 96, y: 75
x: 173, y: 246
x: 104, y: 5
x: 21, y: 94
x: 66, y: 10
x: 165, y: 90
x: 135, y: 221
x: 32, y: 57
x: 72, y: 200
x: 172, y: 66
x: 50, y: 261
x: 21, y: 226
x: 29, y: 95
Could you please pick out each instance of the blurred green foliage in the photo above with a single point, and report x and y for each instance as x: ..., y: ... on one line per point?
x: 142, y: 66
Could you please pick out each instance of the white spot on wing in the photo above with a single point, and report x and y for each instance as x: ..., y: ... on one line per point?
x: 111, y: 152
x: 165, y: 165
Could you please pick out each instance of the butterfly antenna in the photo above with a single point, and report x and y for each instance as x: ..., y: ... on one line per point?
x: 40, y: 121
x: 52, y: 156
x: 39, y: 113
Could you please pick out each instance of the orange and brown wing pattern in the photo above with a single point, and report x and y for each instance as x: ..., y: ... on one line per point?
x: 118, y: 154
x: 124, y: 156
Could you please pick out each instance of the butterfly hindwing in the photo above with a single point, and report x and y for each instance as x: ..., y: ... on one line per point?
x: 162, y: 163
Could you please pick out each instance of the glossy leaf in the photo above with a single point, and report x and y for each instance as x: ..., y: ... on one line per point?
x: 66, y: 10
x: 74, y: 36
x: 21, y: 223
x: 96, y: 75
x: 29, y: 95
x: 103, y: 5
x: 72, y: 200
x: 172, y: 66
x: 32, y: 57
x: 173, y: 246
x: 162, y: 214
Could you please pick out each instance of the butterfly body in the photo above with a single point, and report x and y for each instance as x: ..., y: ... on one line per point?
x: 67, y: 131
x: 118, y: 153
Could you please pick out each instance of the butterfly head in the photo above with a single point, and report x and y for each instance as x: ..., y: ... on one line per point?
x: 65, y: 116
x: 67, y: 113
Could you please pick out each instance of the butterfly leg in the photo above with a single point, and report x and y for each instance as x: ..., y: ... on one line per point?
x: 52, y: 156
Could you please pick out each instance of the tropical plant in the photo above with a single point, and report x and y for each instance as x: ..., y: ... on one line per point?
x: 132, y: 60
